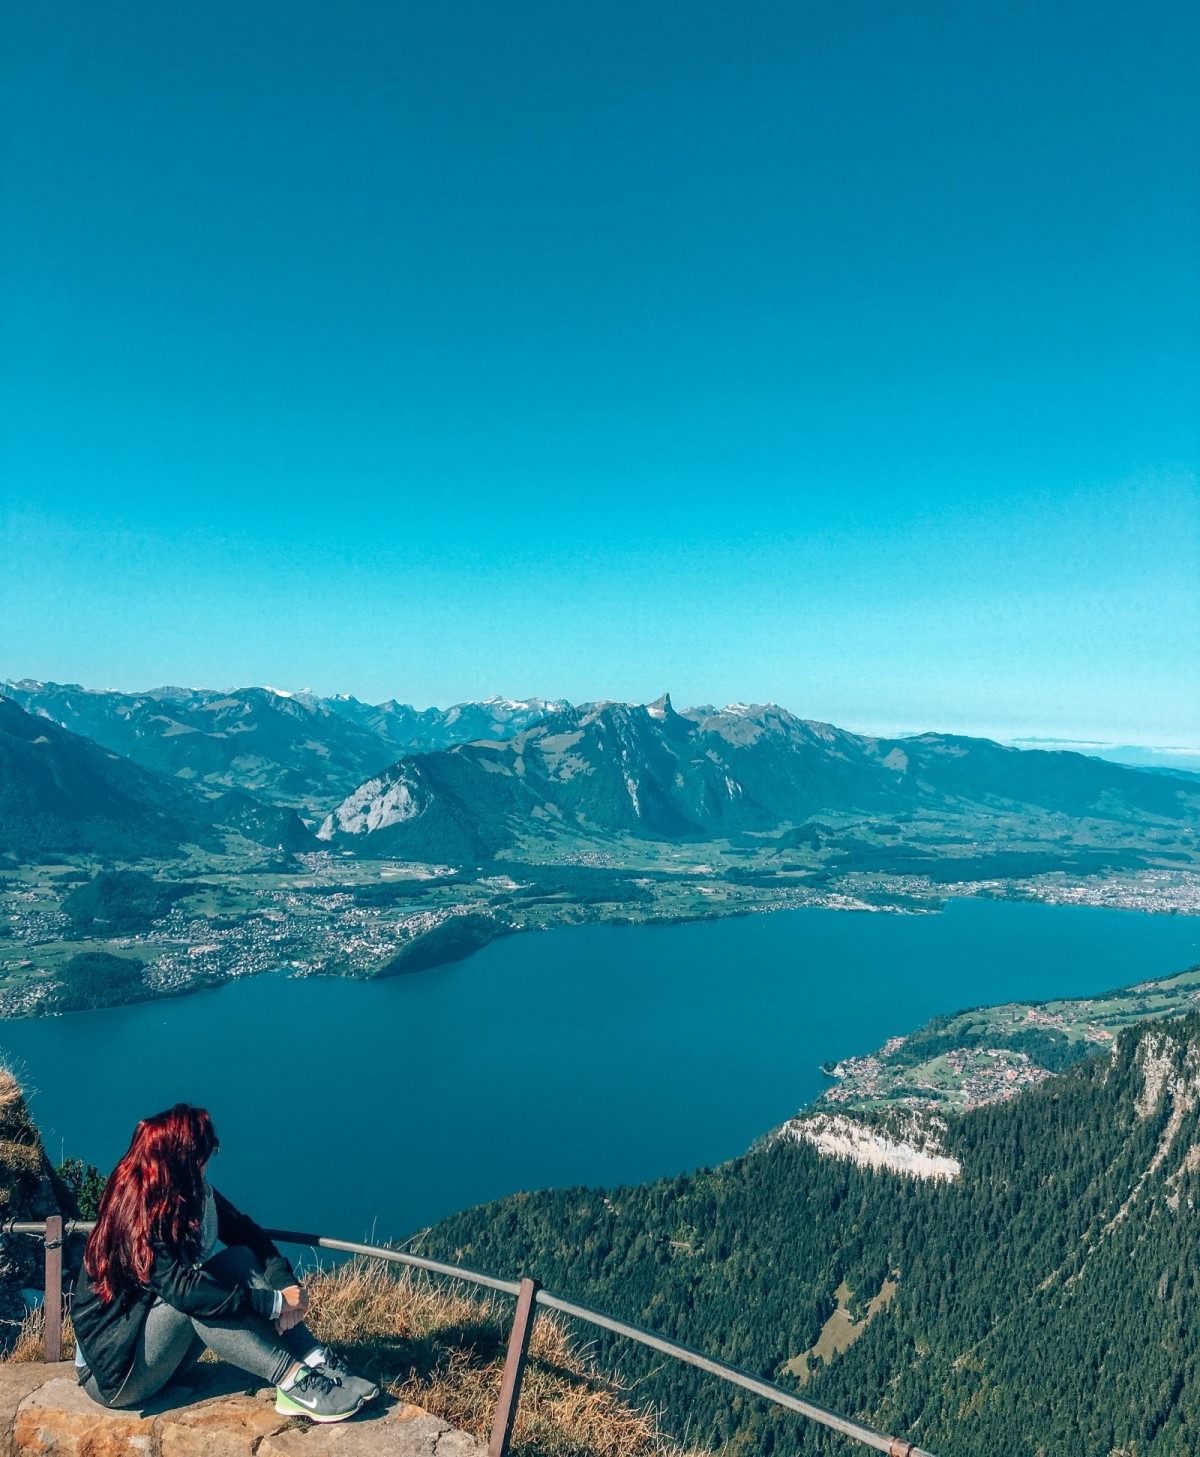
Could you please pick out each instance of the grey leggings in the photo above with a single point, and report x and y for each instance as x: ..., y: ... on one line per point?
x: 171, y: 1341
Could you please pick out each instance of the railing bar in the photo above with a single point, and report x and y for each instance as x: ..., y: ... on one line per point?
x: 289, y: 1236
x: 398, y: 1257
x: 38, y: 1226
x: 514, y: 1370
x: 858, y: 1430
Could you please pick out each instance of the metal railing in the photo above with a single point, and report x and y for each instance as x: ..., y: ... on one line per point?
x: 529, y: 1296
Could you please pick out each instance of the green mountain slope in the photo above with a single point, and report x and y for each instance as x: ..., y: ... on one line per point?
x: 1045, y: 1301
x: 63, y: 794
x: 284, y: 750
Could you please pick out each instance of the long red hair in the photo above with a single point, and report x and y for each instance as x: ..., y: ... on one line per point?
x: 155, y: 1194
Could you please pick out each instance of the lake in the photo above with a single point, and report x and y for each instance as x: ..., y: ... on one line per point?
x: 594, y: 1055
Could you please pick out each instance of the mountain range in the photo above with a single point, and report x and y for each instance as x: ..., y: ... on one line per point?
x: 535, y: 779
x: 609, y: 769
x: 293, y: 749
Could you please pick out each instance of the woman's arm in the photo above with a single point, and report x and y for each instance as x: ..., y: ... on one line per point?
x: 236, y: 1228
x: 195, y: 1291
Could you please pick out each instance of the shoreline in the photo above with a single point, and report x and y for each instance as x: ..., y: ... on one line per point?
x: 1102, y: 895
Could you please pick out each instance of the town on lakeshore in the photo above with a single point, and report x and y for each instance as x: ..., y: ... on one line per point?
x: 990, y: 1054
x: 332, y: 916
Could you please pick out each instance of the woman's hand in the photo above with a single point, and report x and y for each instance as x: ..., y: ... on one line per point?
x: 295, y: 1304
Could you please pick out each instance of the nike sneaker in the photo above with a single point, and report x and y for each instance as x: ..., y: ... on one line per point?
x: 333, y: 1365
x: 318, y: 1396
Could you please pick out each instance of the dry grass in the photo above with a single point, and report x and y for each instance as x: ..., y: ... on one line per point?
x: 22, y: 1162
x: 30, y: 1344
x: 443, y: 1349
x: 10, y: 1091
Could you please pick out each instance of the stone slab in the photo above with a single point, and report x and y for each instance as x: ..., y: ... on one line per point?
x: 16, y: 1383
x: 215, y: 1411
x: 399, y: 1430
x: 60, y: 1417
x: 206, y: 1382
x: 230, y: 1426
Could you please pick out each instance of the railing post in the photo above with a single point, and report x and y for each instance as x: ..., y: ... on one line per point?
x: 52, y: 1303
x: 514, y: 1369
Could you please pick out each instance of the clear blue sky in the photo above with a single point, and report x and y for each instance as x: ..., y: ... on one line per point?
x: 845, y: 355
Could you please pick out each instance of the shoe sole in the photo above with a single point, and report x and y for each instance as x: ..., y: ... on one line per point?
x: 295, y: 1409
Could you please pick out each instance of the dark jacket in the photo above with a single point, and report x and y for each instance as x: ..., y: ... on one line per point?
x: 108, y: 1332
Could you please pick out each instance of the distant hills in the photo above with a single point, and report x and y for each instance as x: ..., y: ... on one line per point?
x: 608, y: 769
x: 409, y: 730
x: 291, y: 749
x: 61, y: 793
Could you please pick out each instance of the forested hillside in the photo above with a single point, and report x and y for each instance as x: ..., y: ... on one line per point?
x: 1046, y: 1302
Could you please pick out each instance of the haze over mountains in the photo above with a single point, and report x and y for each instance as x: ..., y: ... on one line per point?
x: 1178, y: 760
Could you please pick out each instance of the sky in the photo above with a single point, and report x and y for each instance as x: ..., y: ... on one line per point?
x: 845, y: 355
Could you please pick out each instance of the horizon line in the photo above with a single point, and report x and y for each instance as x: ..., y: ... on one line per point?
x: 1045, y: 741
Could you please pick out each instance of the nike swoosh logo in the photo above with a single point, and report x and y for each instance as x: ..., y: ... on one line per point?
x: 310, y: 1404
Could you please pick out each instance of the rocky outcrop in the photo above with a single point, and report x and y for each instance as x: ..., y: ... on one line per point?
x: 210, y: 1413
x: 910, y: 1148
x: 28, y: 1190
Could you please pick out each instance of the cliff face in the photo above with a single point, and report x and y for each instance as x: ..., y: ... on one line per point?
x: 909, y: 1146
x: 28, y: 1190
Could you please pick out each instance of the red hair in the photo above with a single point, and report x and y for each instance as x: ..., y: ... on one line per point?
x: 155, y: 1194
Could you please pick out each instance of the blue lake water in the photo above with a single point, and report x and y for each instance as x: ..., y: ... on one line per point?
x: 595, y: 1055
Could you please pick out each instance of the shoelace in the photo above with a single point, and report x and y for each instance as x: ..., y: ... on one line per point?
x: 325, y: 1382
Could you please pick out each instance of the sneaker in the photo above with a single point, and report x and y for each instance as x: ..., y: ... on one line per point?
x: 333, y: 1365
x: 317, y: 1396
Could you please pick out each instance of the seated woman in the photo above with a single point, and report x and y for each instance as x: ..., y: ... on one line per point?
x: 152, y: 1294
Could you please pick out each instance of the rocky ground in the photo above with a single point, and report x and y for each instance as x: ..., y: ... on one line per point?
x: 43, y: 1410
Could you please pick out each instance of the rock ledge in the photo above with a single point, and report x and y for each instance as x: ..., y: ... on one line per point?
x: 215, y: 1411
